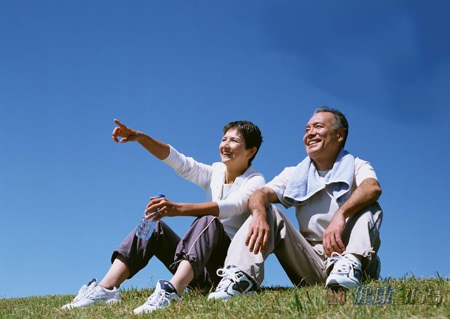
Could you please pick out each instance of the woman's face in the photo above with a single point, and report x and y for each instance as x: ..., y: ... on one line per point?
x: 233, y: 149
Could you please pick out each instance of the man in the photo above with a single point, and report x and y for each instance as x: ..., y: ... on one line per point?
x: 334, y: 195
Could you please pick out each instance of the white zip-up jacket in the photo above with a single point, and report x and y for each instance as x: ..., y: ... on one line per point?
x: 231, y: 199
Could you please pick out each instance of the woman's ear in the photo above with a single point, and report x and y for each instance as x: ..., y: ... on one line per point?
x: 253, y: 151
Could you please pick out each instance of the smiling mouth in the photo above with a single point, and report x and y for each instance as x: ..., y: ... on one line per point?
x: 312, y: 142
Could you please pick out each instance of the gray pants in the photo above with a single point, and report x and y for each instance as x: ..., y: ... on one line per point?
x: 204, y: 246
x: 303, y: 262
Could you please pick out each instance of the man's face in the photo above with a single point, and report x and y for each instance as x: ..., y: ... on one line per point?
x: 322, y: 140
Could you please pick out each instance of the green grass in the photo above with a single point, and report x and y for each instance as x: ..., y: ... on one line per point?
x: 412, y: 298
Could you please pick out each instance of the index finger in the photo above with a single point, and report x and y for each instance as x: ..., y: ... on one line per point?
x: 249, y: 236
x: 120, y: 124
x: 326, y: 246
x: 264, y: 242
x: 339, y: 243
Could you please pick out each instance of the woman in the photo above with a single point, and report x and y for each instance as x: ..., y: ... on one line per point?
x: 194, y: 259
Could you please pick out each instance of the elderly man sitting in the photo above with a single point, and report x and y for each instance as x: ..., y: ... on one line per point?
x: 334, y: 194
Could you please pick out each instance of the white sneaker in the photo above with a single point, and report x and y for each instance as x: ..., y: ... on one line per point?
x: 163, y: 295
x: 93, y: 293
x: 233, y: 283
x: 346, y: 271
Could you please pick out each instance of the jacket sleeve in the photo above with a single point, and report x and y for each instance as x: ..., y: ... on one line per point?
x: 188, y: 168
x: 236, y: 202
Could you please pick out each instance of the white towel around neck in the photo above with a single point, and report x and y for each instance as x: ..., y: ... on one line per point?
x: 305, y: 181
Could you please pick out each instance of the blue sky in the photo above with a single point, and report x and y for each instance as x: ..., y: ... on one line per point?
x: 180, y: 70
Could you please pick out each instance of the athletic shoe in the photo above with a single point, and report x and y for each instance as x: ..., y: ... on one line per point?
x: 163, y: 295
x: 346, y: 271
x: 81, y: 292
x: 234, y: 282
x: 93, y: 293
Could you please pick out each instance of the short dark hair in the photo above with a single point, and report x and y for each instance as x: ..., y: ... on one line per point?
x: 250, y: 132
x: 340, y: 121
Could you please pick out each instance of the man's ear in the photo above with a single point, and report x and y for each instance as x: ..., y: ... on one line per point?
x: 341, y: 135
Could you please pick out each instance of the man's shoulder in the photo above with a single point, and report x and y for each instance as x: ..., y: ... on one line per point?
x: 363, y: 170
x: 360, y: 162
x: 288, y: 170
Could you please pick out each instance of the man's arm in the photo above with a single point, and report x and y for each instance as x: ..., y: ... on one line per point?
x: 365, y: 194
x: 259, y: 230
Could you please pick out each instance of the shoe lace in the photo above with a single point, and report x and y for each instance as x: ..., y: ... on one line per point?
x: 86, y: 290
x: 89, y: 290
x: 228, y: 276
x: 156, y: 298
x: 341, y: 264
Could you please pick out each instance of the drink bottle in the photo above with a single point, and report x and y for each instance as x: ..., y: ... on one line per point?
x: 145, y: 228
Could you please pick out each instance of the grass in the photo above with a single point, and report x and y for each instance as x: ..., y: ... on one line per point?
x: 410, y: 298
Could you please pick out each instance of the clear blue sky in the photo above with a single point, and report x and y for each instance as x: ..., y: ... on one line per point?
x: 180, y: 70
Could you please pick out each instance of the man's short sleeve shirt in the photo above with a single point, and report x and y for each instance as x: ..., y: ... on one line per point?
x: 316, y: 213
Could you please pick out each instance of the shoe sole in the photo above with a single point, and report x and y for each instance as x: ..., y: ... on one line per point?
x: 71, y: 306
x: 230, y: 296
x: 336, y: 284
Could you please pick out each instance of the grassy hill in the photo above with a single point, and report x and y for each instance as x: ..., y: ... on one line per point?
x: 391, y: 298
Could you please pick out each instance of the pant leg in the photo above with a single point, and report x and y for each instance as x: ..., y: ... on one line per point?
x: 204, y: 246
x: 138, y: 252
x: 296, y: 255
x: 362, y: 237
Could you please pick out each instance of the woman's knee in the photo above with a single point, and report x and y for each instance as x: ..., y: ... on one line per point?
x: 205, y: 221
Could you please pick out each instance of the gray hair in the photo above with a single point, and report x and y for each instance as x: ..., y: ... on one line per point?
x: 340, y: 121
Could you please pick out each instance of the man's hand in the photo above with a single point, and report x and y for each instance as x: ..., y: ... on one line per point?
x: 259, y: 230
x: 258, y: 234
x: 127, y: 134
x: 364, y: 195
x: 332, y: 237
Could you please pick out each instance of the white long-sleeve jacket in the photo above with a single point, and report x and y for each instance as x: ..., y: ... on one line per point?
x: 231, y: 199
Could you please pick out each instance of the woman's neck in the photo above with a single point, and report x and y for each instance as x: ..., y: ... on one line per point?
x: 231, y: 175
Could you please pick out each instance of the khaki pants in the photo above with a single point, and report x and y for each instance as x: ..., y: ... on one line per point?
x: 303, y: 262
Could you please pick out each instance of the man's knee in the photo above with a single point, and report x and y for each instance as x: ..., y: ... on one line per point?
x: 371, y: 215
